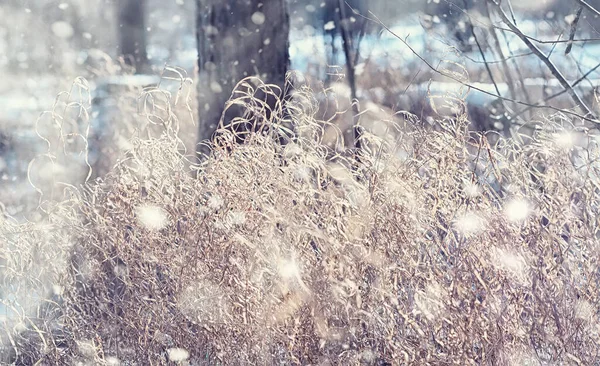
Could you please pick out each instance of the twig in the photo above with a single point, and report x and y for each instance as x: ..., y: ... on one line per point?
x: 584, y: 77
x: 487, y: 66
x: 573, y: 30
x: 512, y: 12
x: 536, y: 40
x: 542, y: 41
x: 507, y: 73
x: 554, y: 46
x: 515, y: 65
x: 498, y: 61
x: 411, y: 82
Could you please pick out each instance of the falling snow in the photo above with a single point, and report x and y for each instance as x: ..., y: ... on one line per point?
x: 470, y: 223
x: 390, y: 214
x: 565, y: 139
x: 152, y: 217
x: 62, y: 30
x: 178, y: 354
x: 517, y: 210
x: 215, y: 87
x: 258, y: 18
x: 329, y: 26
x: 236, y: 218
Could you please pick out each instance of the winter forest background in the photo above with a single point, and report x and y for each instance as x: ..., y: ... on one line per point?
x: 299, y: 182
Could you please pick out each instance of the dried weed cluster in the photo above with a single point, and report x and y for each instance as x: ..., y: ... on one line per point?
x: 427, y: 247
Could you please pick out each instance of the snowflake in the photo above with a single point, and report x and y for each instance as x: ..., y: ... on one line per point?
x: 517, y: 210
x: 178, y: 354
x: 152, y: 217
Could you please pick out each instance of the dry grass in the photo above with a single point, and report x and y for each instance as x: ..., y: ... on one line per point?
x: 432, y: 248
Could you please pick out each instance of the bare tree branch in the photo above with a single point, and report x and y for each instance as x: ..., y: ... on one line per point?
x: 472, y: 87
x: 548, y: 41
x: 554, y: 45
x: 573, y: 30
x: 484, y: 58
x: 489, y: 70
x: 557, y: 74
x: 511, y: 11
x: 507, y: 73
x: 516, y: 66
x: 588, y: 7
x: 351, y: 72
x: 584, y: 77
x: 498, y: 61
x: 536, y: 40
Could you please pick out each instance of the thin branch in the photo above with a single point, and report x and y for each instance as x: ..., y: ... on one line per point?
x: 511, y: 11
x: 588, y: 7
x: 554, y: 46
x: 548, y: 41
x: 472, y: 87
x: 516, y: 66
x: 411, y: 82
x: 557, y: 74
x: 351, y: 74
x: 536, y: 40
x: 507, y: 73
x: 488, y: 68
x: 589, y: 82
x: 520, y: 76
x: 573, y: 30
x: 482, y: 53
x: 584, y: 77
x: 499, y: 61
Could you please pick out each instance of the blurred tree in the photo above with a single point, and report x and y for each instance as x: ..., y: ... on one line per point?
x: 132, y: 33
x: 339, y: 20
x: 455, y: 16
x: 237, y: 39
x: 335, y: 10
x: 351, y: 28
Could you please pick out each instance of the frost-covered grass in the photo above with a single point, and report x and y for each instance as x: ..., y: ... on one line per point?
x: 428, y: 247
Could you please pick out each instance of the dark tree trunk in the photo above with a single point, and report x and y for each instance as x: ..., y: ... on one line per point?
x: 237, y: 39
x: 132, y: 33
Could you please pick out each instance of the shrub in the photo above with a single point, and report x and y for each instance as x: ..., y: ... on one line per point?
x: 430, y: 248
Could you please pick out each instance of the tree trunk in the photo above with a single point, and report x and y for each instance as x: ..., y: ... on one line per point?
x: 237, y: 39
x: 132, y: 33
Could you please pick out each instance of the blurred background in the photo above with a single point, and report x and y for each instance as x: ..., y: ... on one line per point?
x: 389, y: 56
